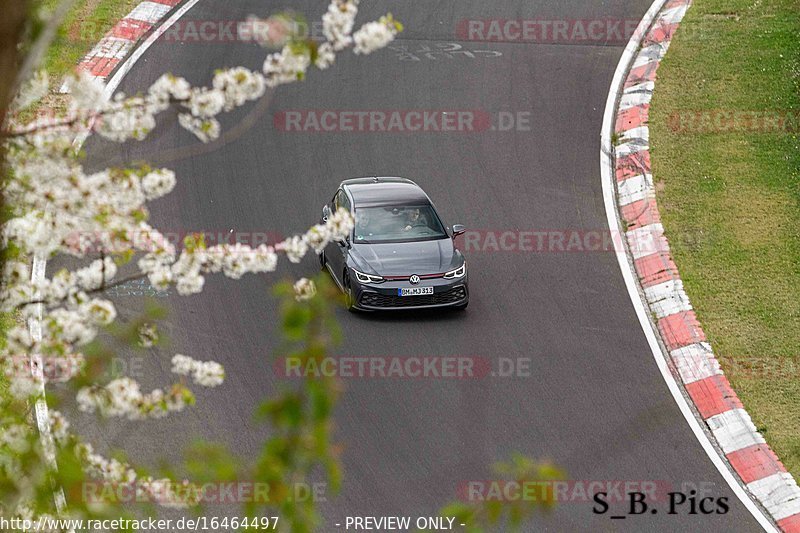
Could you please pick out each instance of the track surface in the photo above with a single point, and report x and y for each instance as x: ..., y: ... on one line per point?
x: 595, y: 403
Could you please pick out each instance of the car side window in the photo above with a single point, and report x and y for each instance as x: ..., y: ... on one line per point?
x: 341, y: 200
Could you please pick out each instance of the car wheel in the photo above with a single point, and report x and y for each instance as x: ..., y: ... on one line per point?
x: 461, y: 307
x: 349, y: 301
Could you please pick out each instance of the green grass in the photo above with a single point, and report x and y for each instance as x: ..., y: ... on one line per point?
x: 740, y: 191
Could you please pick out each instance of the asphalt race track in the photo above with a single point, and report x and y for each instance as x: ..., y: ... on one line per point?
x: 594, y: 402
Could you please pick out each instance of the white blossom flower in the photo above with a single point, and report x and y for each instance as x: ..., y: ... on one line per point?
x: 205, y: 373
x: 16, y: 436
x: 304, y: 289
x: 286, y: 66
x: 325, y: 56
x: 317, y: 237
x: 337, y: 23
x: 99, y: 218
x: 294, y: 247
x: 374, y: 35
x: 101, y: 312
x: 209, y: 374
x: 190, y: 283
x: 168, y: 87
x: 206, y: 130
x: 206, y: 103
x: 158, y: 183
x: 87, y: 92
x: 148, y: 335
x: 32, y: 90
x: 59, y: 425
x: 239, y: 85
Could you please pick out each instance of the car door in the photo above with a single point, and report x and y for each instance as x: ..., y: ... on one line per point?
x: 336, y: 251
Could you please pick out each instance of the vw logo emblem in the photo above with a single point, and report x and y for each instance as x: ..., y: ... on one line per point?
x: 414, y: 279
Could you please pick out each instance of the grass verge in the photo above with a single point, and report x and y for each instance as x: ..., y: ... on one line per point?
x: 731, y: 180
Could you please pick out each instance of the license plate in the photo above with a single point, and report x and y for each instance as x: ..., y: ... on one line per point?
x: 415, y: 291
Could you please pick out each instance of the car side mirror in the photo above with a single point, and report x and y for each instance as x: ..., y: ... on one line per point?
x: 458, y: 229
x: 326, y: 211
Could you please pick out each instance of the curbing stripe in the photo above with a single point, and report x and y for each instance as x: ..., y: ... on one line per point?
x: 130, y: 29
x: 632, y: 164
x: 611, y: 167
x: 790, y: 524
x: 649, y: 54
x: 642, y: 73
x: 734, y: 430
x: 680, y: 330
x: 632, y: 117
x: 713, y: 395
x: 112, y: 47
x: 640, y: 213
x: 779, y: 494
x: 667, y: 298
x: 636, y: 188
x: 636, y: 95
x: 695, y: 362
x: 755, y: 462
x: 717, y: 404
x: 655, y: 268
x: 150, y: 12
x: 646, y: 240
x: 107, y: 54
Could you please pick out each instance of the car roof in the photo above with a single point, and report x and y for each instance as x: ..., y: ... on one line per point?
x: 377, y: 191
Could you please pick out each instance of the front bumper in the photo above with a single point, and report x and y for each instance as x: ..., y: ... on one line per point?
x: 446, y: 293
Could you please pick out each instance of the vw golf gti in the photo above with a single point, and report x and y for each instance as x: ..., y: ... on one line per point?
x: 399, y: 255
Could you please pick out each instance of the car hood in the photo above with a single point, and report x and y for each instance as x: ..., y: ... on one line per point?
x: 406, y: 258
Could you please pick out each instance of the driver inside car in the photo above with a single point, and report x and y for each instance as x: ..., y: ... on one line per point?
x: 415, y: 219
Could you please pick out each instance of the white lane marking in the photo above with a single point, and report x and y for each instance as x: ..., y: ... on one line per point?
x: 695, y: 362
x: 779, y: 493
x: 37, y: 369
x: 606, y: 166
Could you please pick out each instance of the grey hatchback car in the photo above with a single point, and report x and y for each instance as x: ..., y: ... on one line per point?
x: 399, y: 255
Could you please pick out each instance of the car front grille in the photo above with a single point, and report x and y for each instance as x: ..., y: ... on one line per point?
x: 437, y: 298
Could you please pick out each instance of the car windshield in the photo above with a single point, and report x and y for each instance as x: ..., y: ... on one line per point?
x: 397, y: 224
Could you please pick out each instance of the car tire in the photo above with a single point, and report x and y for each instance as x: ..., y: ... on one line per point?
x: 349, y: 302
x: 322, y: 260
x: 461, y: 307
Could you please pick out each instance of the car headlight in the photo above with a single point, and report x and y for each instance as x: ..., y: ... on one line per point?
x: 367, y: 278
x: 457, y: 273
